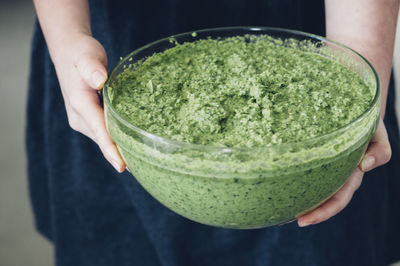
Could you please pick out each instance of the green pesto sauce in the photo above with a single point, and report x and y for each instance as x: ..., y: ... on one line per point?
x: 239, y: 92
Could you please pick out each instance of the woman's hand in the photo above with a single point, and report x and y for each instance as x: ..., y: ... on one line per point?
x: 80, y: 63
x: 81, y: 69
x: 367, y: 27
x: 378, y: 153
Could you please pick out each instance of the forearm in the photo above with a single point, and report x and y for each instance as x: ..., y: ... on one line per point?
x: 61, y: 20
x: 367, y: 26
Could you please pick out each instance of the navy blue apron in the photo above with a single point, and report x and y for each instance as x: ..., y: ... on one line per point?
x: 94, y: 216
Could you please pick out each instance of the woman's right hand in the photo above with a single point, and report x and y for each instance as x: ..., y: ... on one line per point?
x: 81, y: 69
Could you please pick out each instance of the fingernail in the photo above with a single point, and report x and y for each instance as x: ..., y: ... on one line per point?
x: 304, y: 224
x: 116, y: 165
x: 367, y: 163
x: 98, y: 79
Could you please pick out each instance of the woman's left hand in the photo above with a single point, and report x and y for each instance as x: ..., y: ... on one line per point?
x: 377, y: 154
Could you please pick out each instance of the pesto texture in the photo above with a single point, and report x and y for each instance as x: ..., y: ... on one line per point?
x: 239, y: 92
x: 249, y: 91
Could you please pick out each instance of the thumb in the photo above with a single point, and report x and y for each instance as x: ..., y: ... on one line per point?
x: 379, y: 151
x: 92, y: 70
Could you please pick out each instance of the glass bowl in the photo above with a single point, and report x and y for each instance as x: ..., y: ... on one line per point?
x: 245, y: 188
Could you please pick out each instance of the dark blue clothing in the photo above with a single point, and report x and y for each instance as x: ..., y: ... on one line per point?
x: 95, y: 216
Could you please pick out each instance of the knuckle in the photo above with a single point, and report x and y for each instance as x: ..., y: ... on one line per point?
x: 73, y: 122
x: 72, y: 117
x: 74, y: 106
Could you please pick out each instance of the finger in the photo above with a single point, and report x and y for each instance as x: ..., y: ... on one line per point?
x: 93, y: 125
x: 335, y: 204
x: 379, y: 151
x: 92, y: 69
x: 96, y: 121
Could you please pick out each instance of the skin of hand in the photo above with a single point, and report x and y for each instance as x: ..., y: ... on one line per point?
x: 378, y: 153
x: 80, y: 62
x: 81, y: 76
x: 369, y: 27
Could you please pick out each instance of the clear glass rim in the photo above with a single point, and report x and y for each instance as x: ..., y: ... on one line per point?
x: 223, y: 149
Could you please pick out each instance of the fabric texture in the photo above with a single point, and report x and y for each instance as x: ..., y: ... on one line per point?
x: 95, y: 216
